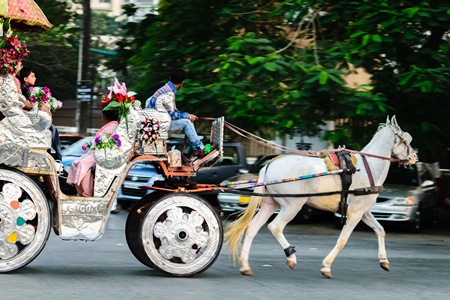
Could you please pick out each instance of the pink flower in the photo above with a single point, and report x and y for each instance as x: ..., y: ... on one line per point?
x: 84, y: 147
x: 47, y: 91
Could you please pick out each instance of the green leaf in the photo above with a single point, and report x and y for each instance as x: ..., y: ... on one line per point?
x: 112, y: 105
x: 323, y: 77
x: 270, y: 66
x: 365, y: 39
x: 377, y: 38
x: 426, y: 87
x: 412, y: 11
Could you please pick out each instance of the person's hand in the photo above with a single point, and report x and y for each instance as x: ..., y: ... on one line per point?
x: 44, y: 107
x: 192, y: 118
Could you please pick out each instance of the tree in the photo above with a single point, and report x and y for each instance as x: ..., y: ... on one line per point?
x: 52, y: 54
x: 273, y: 66
x: 403, y: 45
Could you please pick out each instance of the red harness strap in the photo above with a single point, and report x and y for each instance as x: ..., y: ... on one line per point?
x: 369, y: 172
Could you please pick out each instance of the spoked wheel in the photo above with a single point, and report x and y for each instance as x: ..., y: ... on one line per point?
x: 24, y: 220
x: 133, y: 226
x: 181, y: 234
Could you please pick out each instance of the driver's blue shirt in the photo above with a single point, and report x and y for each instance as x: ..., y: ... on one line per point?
x: 167, y: 88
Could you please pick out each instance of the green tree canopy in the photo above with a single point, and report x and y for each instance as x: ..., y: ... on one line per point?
x: 52, y: 56
x: 270, y: 65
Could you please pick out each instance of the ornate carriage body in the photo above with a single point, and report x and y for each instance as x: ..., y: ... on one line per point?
x: 31, y: 200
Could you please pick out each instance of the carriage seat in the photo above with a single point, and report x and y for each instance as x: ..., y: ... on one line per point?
x: 27, y: 128
x: 111, y: 163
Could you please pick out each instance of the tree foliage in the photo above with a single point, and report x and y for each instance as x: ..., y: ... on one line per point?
x: 52, y: 55
x: 278, y: 65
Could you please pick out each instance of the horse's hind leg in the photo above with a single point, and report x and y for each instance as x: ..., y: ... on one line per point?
x: 352, y: 220
x: 370, y: 220
x: 268, y: 207
x: 277, y: 226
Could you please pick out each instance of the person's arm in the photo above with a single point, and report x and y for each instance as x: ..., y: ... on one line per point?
x: 176, y: 115
x: 28, y: 105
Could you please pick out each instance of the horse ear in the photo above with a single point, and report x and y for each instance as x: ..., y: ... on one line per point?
x: 387, y: 121
x: 394, y: 121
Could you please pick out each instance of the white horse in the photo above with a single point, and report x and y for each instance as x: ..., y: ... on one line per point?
x: 388, y: 139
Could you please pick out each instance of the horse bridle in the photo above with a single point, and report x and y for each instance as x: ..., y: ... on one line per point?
x: 403, y: 138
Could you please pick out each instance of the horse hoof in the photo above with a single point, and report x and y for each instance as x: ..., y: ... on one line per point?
x: 384, y: 265
x: 291, y: 264
x: 326, y: 272
x: 247, y: 272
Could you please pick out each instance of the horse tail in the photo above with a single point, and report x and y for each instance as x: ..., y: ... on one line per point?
x: 235, y: 231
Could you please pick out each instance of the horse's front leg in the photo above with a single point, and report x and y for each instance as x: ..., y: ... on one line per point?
x: 352, y: 220
x: 370, y: 220
x: 268, y: 207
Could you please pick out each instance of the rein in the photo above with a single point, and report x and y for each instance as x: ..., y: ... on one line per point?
x: 356, y: 192
x: 275, y: 146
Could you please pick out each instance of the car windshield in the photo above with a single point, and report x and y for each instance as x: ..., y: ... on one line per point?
x: 401, y: 175
x: 75, y: 149
x: 261, y: 162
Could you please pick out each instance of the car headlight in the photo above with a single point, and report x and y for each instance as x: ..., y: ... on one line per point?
x: 402, y: 201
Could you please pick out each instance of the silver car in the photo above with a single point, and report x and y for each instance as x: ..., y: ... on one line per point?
x: 410, y: 198
x: 233, y: 203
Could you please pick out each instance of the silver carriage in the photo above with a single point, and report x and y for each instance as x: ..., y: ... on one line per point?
x: 171, y: 230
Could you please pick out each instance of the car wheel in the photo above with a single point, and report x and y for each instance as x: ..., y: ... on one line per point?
x: 432, y: 222
x: 305, y: 215
x: 337, y: 222
x: 414, y: 225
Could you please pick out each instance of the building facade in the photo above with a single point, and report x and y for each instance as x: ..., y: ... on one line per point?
x: 114, y: 7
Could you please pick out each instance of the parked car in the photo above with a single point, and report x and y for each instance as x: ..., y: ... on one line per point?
x: 72, y: 152
x: 410, y: 198
x: 139, y: 175
x: 65, y: 140
x: 233, y: 203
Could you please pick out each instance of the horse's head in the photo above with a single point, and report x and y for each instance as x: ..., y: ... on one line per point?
x: 402, y: 148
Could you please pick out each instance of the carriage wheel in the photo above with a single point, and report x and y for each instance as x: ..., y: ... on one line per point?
x: 133, y: 226
x: 24, y: 220
x: 181, y: 234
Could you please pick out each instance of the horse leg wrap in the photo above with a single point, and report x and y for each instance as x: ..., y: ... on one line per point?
x: 289, y: 250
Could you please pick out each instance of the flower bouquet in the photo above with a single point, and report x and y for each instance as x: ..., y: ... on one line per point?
x: 42, y: 95
x: 118, y: 98
x: 105, y: 141
x: 11, y: 52
x: 149, y: 131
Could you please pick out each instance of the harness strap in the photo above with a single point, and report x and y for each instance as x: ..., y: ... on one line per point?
x: 369, y: 172
x: 346, y: 179
x: 356, y: 192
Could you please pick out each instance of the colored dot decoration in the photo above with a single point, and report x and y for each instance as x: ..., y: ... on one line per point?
x: 12, y: 238
x: 14, y: 204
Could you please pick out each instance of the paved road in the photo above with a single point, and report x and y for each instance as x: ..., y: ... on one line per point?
x: 106, y: 269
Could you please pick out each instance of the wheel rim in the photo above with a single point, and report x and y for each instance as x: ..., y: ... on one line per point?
x: 181, y: 235
x: 24, y: 220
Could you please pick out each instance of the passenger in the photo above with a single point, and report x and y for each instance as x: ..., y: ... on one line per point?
x: 180, y: 120
x: 27, y: 79
x: 80, y: 173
